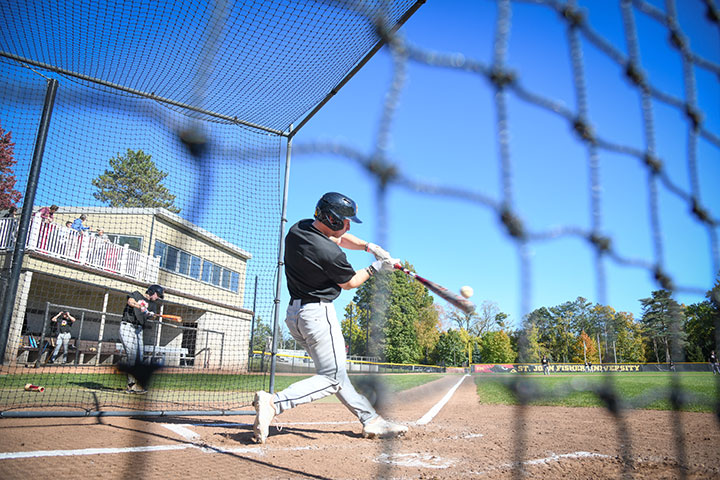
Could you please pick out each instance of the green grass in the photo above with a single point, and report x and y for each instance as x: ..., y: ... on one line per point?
x: 635, y: 390
x: 198, y: 382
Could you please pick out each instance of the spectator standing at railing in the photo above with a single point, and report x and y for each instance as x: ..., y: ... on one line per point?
x: 64, y: 322
x: 139, y: 308
x: 79, y: 224
x: 11, y: 213
x: 47, y: 213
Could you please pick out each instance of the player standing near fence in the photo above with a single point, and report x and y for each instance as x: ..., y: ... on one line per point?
x: 545, y: 365
x: 64, y: 322
x: 317, y: 270
x: 714, y: 363
x: 139, y: 308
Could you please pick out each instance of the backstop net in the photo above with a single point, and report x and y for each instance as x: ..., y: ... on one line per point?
x: 153, y: 139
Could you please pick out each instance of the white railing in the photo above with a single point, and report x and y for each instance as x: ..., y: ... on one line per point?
x: 82, y: 248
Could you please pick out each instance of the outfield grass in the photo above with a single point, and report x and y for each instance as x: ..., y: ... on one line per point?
x: 649, y: 391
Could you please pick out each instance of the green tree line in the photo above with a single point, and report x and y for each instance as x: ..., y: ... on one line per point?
x: 395, y: 319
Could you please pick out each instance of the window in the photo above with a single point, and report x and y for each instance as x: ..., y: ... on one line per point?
x: 195, y: 267
x: 207, y: 271
x: 133, y: 243
x: 183, y: 263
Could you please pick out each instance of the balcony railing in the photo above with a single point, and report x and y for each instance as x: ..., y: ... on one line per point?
x: 81, y: 248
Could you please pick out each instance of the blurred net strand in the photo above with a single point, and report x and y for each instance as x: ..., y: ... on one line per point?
x: 179, y: 107
x: 506, y: 80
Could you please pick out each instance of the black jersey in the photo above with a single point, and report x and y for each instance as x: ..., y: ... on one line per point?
x: 135, y: 315
x: 64, y: 325
x: 314, y: 264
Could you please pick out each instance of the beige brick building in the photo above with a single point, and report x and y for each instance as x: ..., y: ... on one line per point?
x: 89, y: 275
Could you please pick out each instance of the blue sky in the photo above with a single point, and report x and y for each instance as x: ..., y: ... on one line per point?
x: 444, y: 133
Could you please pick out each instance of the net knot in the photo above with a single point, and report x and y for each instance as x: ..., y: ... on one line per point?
x: 573, y: 15
x: 383, y: 170
x: 653, y: 162
x: 601, y: 242
x: 693, y: 115
x: 635, y: 75
x: 701, y: 213
x: 584, y: 130
x: 663, y: 279
x: 513, y: 223
x: 502, y: 78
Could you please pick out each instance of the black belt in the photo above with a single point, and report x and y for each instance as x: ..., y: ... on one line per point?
x: 305, y: 301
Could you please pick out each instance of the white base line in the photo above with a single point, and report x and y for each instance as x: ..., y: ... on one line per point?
x: 182, y: 430
x: 90, y: 451
x: 427, y: 418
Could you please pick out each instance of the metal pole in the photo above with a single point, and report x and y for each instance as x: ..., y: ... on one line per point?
x: 281, y: 256
x: 29, y: 199
x: 252, y: 324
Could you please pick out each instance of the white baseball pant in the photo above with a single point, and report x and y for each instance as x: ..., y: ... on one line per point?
x: 315, y: 326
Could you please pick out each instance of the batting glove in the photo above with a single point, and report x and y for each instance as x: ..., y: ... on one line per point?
x: 378, y: 251
x: 386, y: 265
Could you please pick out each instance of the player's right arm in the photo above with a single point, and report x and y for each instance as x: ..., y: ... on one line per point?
x: 54, y: 319
x: 362, y: 276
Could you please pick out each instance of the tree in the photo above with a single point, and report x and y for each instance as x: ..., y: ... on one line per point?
x: 427, y: 326
x: 450, y: 349
x: 389, y: 308
x: 495, y: 348
x: 628, y: 338
x: 353, y: 331
x: 8, y: 195
x: 662, y: 321
x: 701, y: 325
x: 261, y: 335
x: 134, y: 181
x: 585, y: 349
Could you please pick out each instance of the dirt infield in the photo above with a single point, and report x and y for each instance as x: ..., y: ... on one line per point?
x: 462, y: 440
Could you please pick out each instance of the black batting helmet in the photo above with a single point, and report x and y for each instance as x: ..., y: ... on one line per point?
x: 155, y: 289
x: 333, y: 208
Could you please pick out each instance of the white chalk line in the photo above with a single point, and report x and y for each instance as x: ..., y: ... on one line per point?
x: 427, y: 418
x: 184, y: 431
x: 554, y: 458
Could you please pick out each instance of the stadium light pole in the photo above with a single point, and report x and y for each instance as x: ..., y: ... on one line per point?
x: 8, y: 303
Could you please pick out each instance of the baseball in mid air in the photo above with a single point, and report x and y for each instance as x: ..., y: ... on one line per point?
x: 466, y: 291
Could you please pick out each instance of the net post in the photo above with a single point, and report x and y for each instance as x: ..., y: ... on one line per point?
x: 281, y: 255
x: 29, y: 199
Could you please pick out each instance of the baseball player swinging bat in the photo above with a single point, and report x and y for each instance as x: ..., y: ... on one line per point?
x: 456, y: 300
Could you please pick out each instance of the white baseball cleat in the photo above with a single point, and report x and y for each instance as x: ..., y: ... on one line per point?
x: 265, y: 408
x: 378, y: 427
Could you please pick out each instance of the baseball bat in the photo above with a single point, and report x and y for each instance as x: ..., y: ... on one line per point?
x: 174, y: 318
x: 455, y: 300
x: 34, y: 388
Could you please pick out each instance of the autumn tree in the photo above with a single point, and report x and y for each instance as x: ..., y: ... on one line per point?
x: 134, y: 181
x: 8, y: 195
x: 585, y: 349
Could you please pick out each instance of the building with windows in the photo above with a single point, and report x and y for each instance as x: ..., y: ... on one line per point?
x: 90, y: 276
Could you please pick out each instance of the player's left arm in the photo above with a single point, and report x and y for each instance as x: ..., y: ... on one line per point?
x: 351, y: 242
